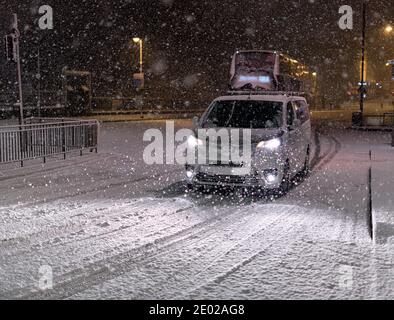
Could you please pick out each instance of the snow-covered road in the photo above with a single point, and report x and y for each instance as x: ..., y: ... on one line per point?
x: 110, y: 226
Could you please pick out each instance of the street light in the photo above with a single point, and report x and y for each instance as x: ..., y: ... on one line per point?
x: 139, y: 40
x: 388, y: 29
x: 363, y: 42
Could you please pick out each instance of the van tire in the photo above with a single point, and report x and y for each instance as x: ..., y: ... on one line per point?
x: 306, y: 169
x: 286, y: 180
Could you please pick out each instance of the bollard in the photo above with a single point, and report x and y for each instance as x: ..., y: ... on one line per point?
x: 357, y: 119
x: 392, y: 137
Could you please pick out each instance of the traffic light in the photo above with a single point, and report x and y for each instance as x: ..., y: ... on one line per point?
x: 10, y: 48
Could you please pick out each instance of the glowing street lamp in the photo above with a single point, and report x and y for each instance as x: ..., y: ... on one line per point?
x: 388, y: 29
x: 139, y: 40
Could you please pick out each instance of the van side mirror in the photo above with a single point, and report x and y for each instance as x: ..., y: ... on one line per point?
x: 196, y: 121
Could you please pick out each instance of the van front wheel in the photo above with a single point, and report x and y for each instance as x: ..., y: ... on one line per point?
x: 286, y: 180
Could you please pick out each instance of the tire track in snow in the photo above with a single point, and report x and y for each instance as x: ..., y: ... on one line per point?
x: 212, y: 239
x: 104, y: 186
x: 278, y: 236
x: 151, y: 248
x: 327, y: 159
x: 120, y: 264
x: 324, y: 162
x: 58, y: 234
x: 252, y: 227
x: 321, y: 160
x: 331, y: 254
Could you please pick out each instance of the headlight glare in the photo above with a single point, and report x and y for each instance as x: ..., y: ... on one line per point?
x: 272, y: 144
x: 192, y: 141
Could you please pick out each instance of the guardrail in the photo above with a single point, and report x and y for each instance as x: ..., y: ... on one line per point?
x: 41, y: 138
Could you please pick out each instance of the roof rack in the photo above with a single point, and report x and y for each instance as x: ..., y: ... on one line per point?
x: 265, y: 93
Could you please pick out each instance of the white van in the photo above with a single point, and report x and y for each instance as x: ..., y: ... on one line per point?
x: 279, y: 127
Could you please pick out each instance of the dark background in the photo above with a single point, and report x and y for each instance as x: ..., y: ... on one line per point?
x: 189, y: 44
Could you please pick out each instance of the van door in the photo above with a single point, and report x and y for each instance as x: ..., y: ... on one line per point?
x: 293, y: 147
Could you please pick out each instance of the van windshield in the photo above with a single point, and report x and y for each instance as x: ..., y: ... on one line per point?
x: 244, y: 114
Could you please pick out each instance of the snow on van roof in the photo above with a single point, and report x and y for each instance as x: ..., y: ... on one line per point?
x: 259, y: 97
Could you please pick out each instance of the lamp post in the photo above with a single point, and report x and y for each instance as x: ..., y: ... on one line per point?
x: 140, y: 76
x: 15, y: 56
x: 314, y: 75
x: 39, y: 82
x: 314, y: 88
x: 362, y: 86
x: 140, y: 42
x: 388, y: 31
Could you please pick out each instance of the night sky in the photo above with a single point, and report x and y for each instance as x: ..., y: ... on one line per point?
x: 189, y: 43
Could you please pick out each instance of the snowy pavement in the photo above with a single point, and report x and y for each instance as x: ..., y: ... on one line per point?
x: 109, y: 226
x: 382, y: 178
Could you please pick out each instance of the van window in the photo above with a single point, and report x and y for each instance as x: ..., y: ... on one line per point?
x: 302, y: 111
x: 290, y: 114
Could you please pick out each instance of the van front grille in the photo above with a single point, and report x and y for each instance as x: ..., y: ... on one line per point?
x: 223, y: 179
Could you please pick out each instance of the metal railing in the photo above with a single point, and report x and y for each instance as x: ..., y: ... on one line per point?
x: 41, y: 138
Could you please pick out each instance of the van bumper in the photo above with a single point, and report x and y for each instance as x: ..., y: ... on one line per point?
x: 268, y: 178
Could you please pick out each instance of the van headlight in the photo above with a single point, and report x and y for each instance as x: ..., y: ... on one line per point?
x: 270, y: 144
x: 192, y: 142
